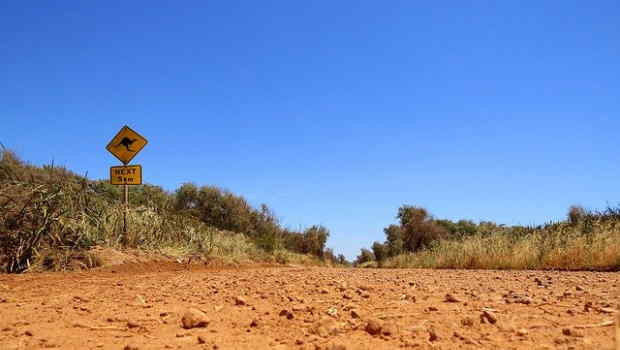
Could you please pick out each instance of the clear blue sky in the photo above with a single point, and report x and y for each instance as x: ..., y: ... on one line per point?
x: 330, y: 112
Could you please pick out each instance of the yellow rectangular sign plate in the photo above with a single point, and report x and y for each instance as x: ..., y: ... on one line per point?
x: 126, y: 175
x: 126, y: 144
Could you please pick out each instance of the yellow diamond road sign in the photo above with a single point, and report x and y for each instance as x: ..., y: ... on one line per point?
x: 126, y: 144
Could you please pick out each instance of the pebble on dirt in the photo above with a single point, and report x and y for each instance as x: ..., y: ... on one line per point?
x: 389, y: 329
x: 325, y: 327
x: 373, y: 327
x: 572, y: 332
x: 452, y: 299
x: 467, y: 322
x: 289, y: 315
x: 488, y: 316
x: 194, y: 318
x: 432, y: 334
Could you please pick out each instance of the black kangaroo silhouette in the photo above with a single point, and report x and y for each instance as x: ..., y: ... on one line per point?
x: 127, y: 142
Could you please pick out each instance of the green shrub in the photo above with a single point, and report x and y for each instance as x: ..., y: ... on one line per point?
x: 52, y: 210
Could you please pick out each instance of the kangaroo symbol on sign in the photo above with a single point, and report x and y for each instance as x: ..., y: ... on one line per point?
x: 127, y: 142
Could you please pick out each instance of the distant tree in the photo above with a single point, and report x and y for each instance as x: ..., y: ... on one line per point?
x: 459, y: 229
x: 394, y: 239
x: 315, y: 239
x: 419, y: 229
x: 186, y: 197
x: 380, y: 251
x: 150, y: 196
x: 365, y: 256
x: 342, y: 260
x: 575, y: 214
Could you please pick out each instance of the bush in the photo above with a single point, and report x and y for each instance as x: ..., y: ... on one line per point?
x: 575, y: 214
x: 52, y: 210
x: 418, y: 228
x: 364, y: 257
x: 590, y: 243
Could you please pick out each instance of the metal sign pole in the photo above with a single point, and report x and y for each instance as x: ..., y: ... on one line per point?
x: 125, y: 238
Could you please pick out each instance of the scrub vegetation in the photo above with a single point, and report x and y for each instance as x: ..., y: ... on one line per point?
x: 586, y: 240
x: 50, y: 217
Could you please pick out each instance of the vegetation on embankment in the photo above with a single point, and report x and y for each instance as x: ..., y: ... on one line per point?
x: 50, y: 216
x: 586, y: 240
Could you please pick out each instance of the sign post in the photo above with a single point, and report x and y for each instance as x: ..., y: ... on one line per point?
x: 124, y: 146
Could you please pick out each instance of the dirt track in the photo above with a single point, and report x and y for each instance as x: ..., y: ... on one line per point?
x: 308, y: 308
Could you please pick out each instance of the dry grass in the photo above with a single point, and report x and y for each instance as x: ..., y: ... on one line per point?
x: 50, y: 218
x: 592, y: 244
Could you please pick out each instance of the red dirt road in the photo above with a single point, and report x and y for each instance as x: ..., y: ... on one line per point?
x: 308, y: 308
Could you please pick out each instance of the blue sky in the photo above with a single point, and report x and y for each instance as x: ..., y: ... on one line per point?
x: 330, y: 112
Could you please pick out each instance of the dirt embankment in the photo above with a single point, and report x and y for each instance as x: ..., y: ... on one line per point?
x: 167, y: 306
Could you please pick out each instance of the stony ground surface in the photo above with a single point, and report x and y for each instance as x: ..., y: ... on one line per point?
x: 168, y: 307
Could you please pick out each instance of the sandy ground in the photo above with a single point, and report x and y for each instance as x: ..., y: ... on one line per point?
x: 167, y: 306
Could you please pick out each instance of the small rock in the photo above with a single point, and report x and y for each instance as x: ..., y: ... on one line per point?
x: 432, y: 334
x: 240, y: 301
x: 132, y: 324
x: 28, y: 333
x: 572, y: 332
x: 365, y: 287
x: 522, y: 332
x: 130, y: 347
x: 463, y: 338
x: 289, y: 315
x: 332, y: 311
x: 579, y: 288
x: 432, y: 308
x: 201, y: 339
x: 389, y: 329
x: 451, y: 298
x: 373, y: 327
x: 324, y: 291
x: 355, y: 313
x: 325, y: 327
x: 194, y: 318
x: 488, y: 316
x: 523, y: 300
x: 254, y: 323
x: 467, y: 322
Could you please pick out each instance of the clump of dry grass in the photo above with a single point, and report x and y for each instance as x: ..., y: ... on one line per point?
x: 50, y: 217
x: 592, y: 243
